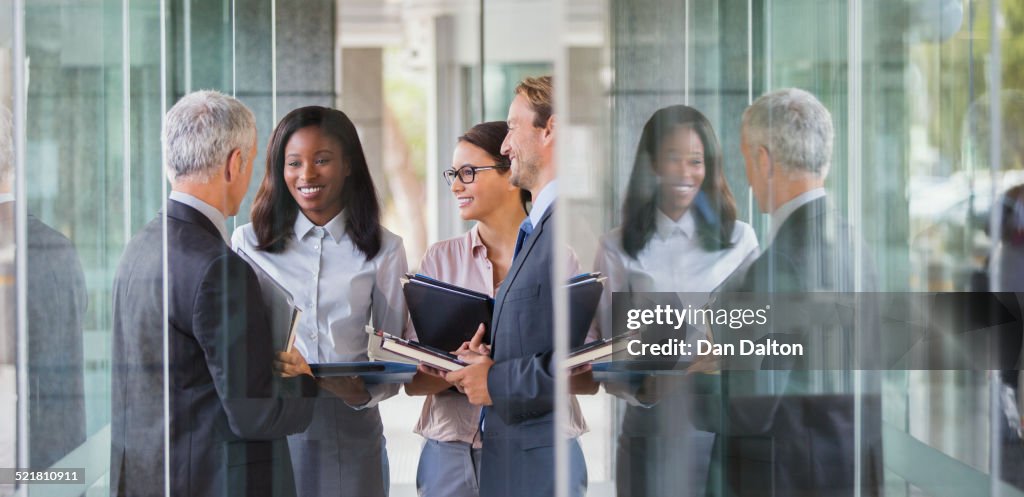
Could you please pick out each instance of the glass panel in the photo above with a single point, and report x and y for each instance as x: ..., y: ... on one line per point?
x: 9, y: 385
x: 908, y: 89
x: 84, y: 192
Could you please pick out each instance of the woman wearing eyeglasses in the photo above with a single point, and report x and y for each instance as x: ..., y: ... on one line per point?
x: 478, y: 260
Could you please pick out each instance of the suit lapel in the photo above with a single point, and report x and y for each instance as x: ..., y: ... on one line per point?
x: 513, y: 272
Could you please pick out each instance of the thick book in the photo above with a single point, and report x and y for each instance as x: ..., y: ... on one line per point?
x: 283, y: 315
x: 423, y: 354
x: 443, y: 314
x: 596, y: 351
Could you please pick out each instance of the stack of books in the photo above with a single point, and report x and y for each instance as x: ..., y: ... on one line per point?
x: 423, y: 354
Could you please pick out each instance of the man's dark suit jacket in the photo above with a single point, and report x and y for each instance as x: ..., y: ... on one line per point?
x: 518, y: 439
x: 793, y: 439
x: 56, y: 306
x: 227, y: 426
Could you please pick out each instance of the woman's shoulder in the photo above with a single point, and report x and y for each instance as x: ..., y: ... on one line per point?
x: 612, y: 240
x: 456, y: 247
x: 389, y: 242
x: 743, y: 235
x: 244, y: 236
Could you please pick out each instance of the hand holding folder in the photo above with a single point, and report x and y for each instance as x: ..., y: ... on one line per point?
x: 290, y: 363
x: 475, y: 345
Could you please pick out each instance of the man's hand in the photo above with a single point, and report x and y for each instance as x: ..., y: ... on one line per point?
x: 349, y: 389
x: 291, y: 364
x: 472, y: 380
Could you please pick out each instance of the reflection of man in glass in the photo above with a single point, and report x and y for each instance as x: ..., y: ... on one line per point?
x: 56, y: 303
x: 791, y: 432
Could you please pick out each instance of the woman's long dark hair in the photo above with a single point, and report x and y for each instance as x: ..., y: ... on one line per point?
x: 714, y: 206
x: 274, y: 211
x: 488, y: 137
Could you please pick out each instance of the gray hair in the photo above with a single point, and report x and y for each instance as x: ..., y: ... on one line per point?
x: 201, y: 130
x: 6, y: 144
x: 795, y: 128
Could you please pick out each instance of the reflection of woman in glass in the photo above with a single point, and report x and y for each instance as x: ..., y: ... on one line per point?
x: 316, y: 230
x: 478, y: 260
x: 679, y: 233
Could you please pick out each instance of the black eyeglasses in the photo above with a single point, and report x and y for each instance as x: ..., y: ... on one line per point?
x: 467, y: 173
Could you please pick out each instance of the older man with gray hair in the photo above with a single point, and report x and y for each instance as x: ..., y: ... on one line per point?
x: 788, y: 427
x: 227, y: 424
x: 786, y: 140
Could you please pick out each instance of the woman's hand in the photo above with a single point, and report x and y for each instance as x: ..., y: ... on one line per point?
x: 427, y: 381
x: 581, y: 381
x: 476, y: 345
x: 291, y: 364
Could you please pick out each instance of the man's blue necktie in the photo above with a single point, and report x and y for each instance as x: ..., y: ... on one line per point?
x: 524, y: 232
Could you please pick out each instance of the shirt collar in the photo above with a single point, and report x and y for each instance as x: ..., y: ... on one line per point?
x: 543, y: 202
x: 6, y: 197
x: 212, y: 213
x: 335, y: 227
x: 666, y: 227
x: 787, y: 209
x: 476, y: 244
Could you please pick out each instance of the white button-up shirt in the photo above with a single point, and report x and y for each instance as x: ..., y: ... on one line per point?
x: 672, y: 261
x: 338, y: 290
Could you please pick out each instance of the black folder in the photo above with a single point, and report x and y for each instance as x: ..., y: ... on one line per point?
x: 447, y: 315
x: 584, y: 295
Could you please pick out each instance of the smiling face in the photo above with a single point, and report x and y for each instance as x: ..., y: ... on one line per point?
x: 524, y: 143
x: 487, y: 193
x: 679, y: 165
x: 315, y: 172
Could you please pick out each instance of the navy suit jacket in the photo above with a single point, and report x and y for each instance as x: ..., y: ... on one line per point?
x: 227, y: 418
x: 518, y: 438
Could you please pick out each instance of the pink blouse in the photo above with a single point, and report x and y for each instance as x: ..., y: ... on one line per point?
x: 448, y: 416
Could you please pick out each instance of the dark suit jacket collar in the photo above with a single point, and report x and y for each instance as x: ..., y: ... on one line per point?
x: 801, y: 218
x: 185, y: 213
x: 517, y: 264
